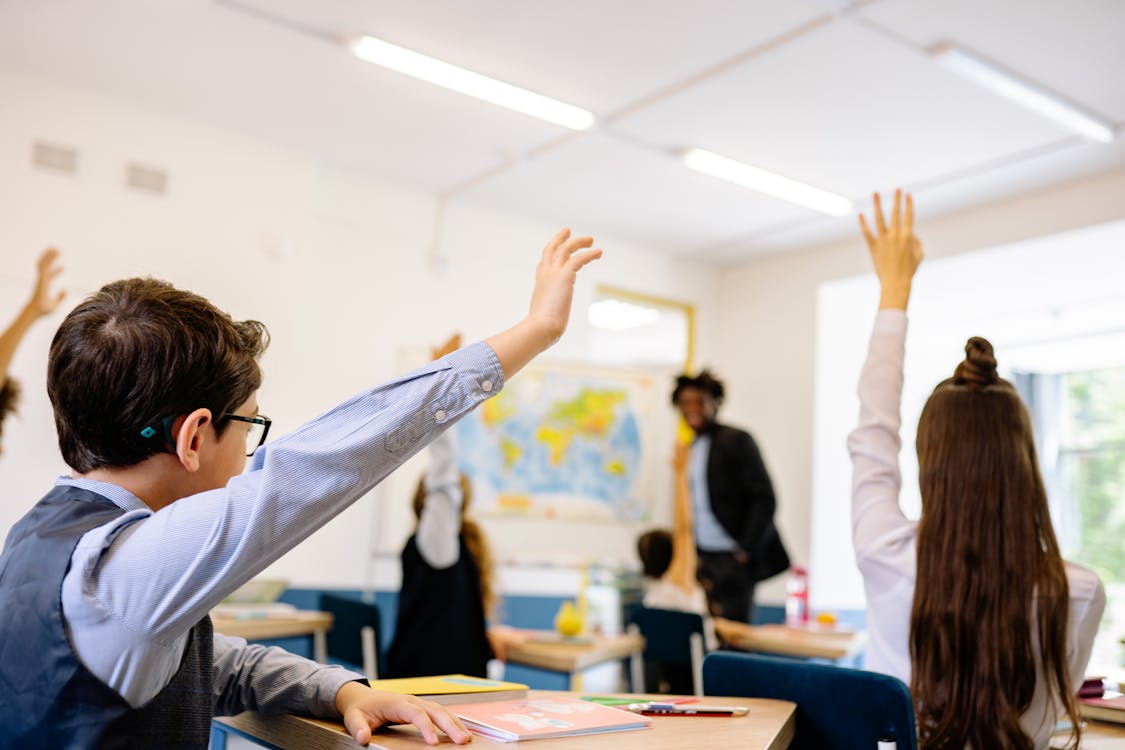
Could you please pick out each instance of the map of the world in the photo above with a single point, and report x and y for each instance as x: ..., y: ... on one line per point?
x: 558, y: 444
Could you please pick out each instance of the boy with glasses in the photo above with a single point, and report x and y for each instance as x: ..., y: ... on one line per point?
x: 106, y: 583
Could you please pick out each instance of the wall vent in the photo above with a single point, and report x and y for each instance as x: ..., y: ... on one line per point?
x: 146, y: 179
x: 54, y: 157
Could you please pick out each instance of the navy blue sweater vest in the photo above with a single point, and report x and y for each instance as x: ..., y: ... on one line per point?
x: 48, y: 699
x: 440, y: 627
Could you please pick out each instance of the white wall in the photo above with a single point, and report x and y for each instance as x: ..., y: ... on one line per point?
x: 336, y: 265
x: 768, y: 331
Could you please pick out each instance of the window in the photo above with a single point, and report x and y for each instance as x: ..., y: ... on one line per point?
x: 638, y: 330
x: 1080, y: 430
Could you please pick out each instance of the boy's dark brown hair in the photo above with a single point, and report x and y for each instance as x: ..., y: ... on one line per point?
x: 655, y: 550
x: 140, y: 351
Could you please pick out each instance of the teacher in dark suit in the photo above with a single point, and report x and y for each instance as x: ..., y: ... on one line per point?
x: 732, y: 502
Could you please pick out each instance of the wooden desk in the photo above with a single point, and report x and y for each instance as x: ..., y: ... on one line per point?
x: 299, y: 623
x: 1096, y: 735
x: 570, y: 657
x: 810, y: 644
x: 769, y: 726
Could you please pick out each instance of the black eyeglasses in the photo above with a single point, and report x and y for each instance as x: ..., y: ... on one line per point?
x: 256, y: 433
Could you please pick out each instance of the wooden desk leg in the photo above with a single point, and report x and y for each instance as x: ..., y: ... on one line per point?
x: 576, y: 681
x: 320, y: 647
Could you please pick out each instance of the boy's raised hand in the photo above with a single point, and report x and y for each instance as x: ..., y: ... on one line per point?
x: 895, y: 251
x: 549, y: 312
x: 554, y: 281
x: 364, y: 710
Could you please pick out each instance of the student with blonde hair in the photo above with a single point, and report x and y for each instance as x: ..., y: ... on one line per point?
x: 973, y: 606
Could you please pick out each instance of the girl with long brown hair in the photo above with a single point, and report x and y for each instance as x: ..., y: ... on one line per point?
x: 448, y: 592
x: 972, y: 605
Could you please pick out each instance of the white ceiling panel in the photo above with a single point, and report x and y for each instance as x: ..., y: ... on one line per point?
x: 230, y: 71
x: 1073, y: 48
x: 594, y: 54
x: 846, y: 110
x: 598, y: 184
x: 842, y: 98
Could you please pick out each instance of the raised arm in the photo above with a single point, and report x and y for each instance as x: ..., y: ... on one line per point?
x: 874, y: 444
x: 549, y: 311
x: 439, y: 525
x: 681, y: 571
x: 43, y: 302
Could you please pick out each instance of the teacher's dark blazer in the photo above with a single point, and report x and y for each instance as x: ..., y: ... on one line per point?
x: 742, y: 499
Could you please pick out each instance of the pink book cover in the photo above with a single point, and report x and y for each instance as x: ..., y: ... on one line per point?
x: 541, y: 718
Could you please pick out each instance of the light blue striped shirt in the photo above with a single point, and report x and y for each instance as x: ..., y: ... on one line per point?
x: 138, y: 584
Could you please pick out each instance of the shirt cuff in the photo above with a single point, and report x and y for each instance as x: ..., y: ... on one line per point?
x: 890, y: 321
x: 329, y: 680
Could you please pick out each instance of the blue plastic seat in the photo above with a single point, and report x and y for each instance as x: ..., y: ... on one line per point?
x: 674, y: 644
x: 354, y: 637
x: 837, y: 708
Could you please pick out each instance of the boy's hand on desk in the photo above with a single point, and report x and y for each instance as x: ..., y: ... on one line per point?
x: 364, y: 709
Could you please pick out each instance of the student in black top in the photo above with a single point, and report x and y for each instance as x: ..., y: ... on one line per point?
x: 448, y: 576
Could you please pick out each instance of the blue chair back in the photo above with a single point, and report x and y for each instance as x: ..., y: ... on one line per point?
x: 667, y: 633
x: 837, y: 708
x: 344, y: 640
x: 674, y: 650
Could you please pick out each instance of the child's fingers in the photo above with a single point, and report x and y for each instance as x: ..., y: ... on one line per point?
x: 908, y: 221
x: 870, y: 238
x: 573, y: 245
x: 555, y: 243
x: 896, y: 215
x: 880, y: 222
x: 578, y: 260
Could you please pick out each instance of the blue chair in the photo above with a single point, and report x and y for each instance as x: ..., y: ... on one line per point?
x: 354, y: 637
x: 837, y: 708
x: 674, y: 643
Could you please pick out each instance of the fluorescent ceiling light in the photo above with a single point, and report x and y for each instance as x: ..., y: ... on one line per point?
x: 616, y: 315
x: 1023, y: 92
x: 467, y: 82
x: 767, y: 182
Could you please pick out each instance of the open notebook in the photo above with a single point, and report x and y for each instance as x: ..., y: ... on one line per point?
x: 512, y: 721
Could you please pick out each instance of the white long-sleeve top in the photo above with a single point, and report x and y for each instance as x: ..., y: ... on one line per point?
x: 885, y: 539
x: 439, y: 526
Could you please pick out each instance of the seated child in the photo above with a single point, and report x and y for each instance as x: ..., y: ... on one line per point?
x: 448, y: 576
x: 106, y: 583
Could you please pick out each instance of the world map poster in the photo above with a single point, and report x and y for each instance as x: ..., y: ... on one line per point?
x: 568, y: 443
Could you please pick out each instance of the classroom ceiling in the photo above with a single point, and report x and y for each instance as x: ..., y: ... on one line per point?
x: 841, y: 95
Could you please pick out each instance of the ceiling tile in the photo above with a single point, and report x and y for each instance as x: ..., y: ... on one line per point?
x: 590, y: 53
x: 845, y: 110
x: 600, y: 185
x: 1072, y: 48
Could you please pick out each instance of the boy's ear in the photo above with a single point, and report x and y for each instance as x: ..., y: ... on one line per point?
x: 189, y: 438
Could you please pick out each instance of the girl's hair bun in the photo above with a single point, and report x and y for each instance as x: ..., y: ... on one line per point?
x: 978, y: 369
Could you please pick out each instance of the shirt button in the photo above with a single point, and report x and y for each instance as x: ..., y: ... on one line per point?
x: 486, y: 386
x: 439, y: 416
